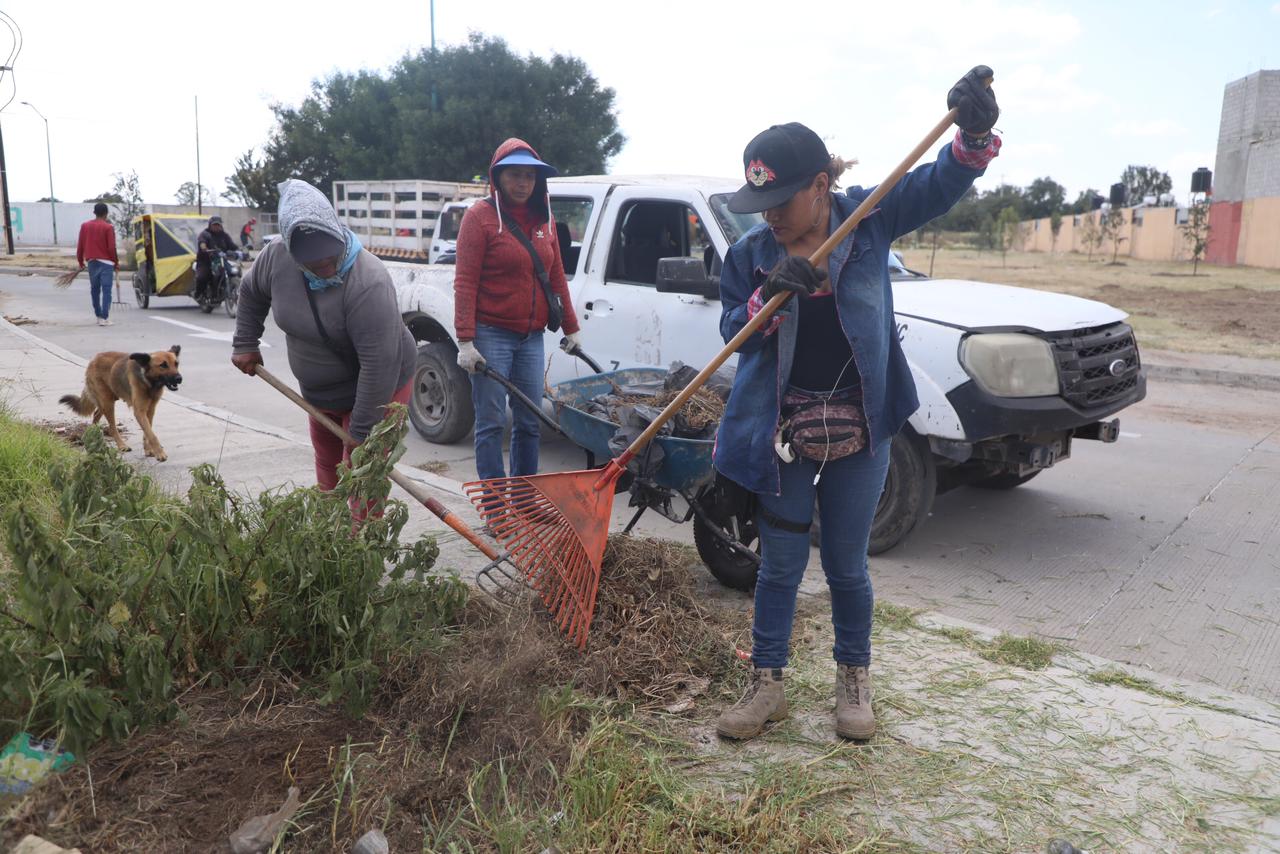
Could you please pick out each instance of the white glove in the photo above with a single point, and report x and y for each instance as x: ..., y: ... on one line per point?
x: 469, y: 358
x: 571, y: 342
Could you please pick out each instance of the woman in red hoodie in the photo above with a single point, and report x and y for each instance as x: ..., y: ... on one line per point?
x: 504, y: 301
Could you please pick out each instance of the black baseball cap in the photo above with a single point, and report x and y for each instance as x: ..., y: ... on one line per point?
x: 778, y: 162
x: 311, y: 244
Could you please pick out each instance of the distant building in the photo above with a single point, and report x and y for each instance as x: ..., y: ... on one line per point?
x: 1244, y: 219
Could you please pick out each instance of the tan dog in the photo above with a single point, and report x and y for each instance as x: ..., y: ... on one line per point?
x: 138, y: 379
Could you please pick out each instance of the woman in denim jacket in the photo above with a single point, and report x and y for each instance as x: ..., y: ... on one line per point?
x: 834, y: 344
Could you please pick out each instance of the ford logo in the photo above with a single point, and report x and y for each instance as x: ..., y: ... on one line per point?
x: 1117, y: 367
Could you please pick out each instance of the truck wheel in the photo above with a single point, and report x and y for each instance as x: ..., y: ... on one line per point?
x: 733, y: 570
x: 141, y: 288
x: 440, y: 406
x: 909, y: 490
x: 1004, y: 480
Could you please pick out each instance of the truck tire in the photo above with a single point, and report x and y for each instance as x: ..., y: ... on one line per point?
x: 440, y: 406
x: 733, y: 570
x: 1004, y: 480
x: 909, y: 489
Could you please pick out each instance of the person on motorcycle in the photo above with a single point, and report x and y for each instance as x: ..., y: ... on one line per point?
x: 213, y: 239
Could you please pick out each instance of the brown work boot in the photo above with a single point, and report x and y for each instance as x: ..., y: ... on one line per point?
x: 763, y: 702
x: 853, y: 703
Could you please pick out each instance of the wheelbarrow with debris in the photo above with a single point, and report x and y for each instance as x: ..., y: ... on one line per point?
x: 603, y: 412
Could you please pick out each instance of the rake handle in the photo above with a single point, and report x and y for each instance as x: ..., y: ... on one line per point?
x: 444, y: 514
x: 615, y: 468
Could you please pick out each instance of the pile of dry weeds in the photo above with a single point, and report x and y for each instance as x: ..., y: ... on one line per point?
x: 505, y: 688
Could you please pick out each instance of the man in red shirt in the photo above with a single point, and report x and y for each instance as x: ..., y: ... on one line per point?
x: 96, y: 249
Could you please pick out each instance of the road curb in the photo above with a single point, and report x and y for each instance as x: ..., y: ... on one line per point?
x: 443, y: 484
x: 1212, y: 376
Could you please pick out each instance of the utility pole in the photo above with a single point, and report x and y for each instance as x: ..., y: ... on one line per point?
x: 199, y: 186
x: 48, y: 153
x: 4, y: 193
x: 435, y: 106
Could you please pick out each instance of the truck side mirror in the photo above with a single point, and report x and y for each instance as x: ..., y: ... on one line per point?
x: 686, y: 276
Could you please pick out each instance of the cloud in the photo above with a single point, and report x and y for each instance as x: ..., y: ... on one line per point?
x: 1147, y: 127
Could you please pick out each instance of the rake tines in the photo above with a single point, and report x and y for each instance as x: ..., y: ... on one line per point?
x: 554, y: 528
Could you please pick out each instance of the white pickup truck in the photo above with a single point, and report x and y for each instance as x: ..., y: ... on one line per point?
x: 1007, y: 377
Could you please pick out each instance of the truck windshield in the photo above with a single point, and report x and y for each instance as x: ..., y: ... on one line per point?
x: 734, y: 225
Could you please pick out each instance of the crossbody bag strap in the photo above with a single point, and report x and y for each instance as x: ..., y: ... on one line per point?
x: 346, y: 355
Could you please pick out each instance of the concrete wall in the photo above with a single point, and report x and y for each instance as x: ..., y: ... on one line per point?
x: 1260, y: 233
x: 1248, y: 160
x: 33, y: 223
x: 1245, y: 232
x: 1157, y: 237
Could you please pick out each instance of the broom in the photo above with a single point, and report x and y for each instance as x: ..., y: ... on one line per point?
x: 555, y: 526
x: 64, y: 281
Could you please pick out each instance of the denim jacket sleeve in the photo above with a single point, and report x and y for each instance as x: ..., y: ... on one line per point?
x: 925, y: 193
x: 736, y: 288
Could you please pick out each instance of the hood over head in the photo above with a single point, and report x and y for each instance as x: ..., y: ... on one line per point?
x: 302, y: 205
x: 521, y: 153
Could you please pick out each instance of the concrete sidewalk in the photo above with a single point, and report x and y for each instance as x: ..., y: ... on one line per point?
x: 1150, y: 749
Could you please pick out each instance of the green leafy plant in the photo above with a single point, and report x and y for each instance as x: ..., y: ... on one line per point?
x: 125, y: 597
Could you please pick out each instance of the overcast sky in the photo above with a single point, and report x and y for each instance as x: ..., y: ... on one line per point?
x: 1086, y: 87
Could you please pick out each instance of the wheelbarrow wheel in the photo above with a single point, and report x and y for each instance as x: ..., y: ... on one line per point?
x: 729, y: 566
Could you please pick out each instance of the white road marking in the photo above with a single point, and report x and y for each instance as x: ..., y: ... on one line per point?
x: 1130, y: 435
x: 200, y: 331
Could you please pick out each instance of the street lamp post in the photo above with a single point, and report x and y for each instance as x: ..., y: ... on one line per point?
x: 48, y: 151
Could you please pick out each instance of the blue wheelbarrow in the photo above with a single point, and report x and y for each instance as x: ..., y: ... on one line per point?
x: 724, y: 527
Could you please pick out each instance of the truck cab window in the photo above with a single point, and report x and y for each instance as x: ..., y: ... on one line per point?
x: 572, y: 214
x: 650, y: 231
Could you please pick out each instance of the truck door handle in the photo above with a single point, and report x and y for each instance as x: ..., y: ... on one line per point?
x: 600, y: 306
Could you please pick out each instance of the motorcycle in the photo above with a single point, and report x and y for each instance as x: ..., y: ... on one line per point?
x: 224, y: 282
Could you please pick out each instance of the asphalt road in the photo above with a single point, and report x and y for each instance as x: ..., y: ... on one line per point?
x: 1162, y: 550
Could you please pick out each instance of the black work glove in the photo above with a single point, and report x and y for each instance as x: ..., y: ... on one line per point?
x: 975, y: 101
x: 794, y: 274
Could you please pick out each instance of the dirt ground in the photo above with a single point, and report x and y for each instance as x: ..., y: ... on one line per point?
x: 1228, y: 310
x: 506, y: 689
x: 44, y: 260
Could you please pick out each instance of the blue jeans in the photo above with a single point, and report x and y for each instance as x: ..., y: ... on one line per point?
x: 518, y: 358
x: 100, y: 276
x: 847, y: 496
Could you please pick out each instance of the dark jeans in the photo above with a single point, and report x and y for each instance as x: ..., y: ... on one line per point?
x: 101, y: 274
x: 518, y: 358
x: 847, y: 496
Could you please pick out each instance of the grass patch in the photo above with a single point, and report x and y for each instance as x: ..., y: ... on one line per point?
x: 26, y: 454
x: 1026, y: 652
x: 896, y: 617
x: 433, y: 466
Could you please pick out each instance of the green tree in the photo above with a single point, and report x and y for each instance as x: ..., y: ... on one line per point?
x: 1110, y: 228
x: 1007, y: 225
x: 1196, y: 231
x: 55, y: 200
x: 1145, y: 181
x: 1055, y: 227
x: 252, y: 185
x: 188, y: 193
x: 126, y: 189
x: 1042, y: 197
x: 1084, y: 202
x: 1090, y: 232
x: 110, y: 197
x: 440, y: 114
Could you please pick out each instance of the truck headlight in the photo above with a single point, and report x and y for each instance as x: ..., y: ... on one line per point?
x: 1010, y: 364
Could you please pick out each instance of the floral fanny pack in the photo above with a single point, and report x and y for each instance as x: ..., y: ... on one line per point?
x: 823, y: 427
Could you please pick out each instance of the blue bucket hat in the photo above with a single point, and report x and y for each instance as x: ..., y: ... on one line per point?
x: 524, y: 158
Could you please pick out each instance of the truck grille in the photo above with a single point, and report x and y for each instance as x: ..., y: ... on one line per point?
x: 1096, y: 366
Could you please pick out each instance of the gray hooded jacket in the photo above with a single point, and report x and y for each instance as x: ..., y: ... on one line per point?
x: 360, y: 316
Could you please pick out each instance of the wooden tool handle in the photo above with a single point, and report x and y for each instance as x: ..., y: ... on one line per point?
x: 754, y: 324
x: 444, y: 514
